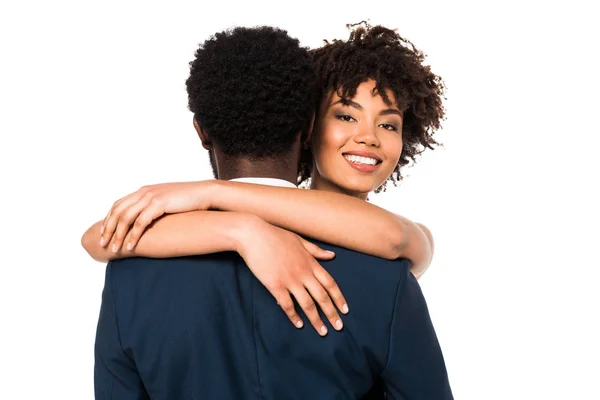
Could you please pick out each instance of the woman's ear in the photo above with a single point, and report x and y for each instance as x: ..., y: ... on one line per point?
x: 204, y: 138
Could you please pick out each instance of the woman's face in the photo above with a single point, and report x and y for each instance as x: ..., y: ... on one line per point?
x: 356, y: 143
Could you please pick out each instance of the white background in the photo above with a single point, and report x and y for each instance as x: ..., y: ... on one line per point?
x: 93, y: 105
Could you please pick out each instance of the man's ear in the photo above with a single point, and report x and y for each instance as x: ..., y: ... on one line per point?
x: 308, y: 134
x: 204, y: 138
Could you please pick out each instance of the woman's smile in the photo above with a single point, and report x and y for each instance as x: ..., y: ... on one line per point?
x: 362, y: 161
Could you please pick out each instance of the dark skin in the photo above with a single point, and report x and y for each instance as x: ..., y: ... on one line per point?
x: 227, y: 167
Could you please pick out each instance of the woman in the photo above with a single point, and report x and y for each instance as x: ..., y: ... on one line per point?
x: 379, y: 109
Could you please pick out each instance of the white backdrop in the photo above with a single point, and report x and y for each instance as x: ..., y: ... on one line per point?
x: 93, y: 105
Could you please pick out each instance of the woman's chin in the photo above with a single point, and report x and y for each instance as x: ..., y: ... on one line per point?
x: 358, y: 187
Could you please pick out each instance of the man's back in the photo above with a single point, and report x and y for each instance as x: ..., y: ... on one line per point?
x: 205, y: 328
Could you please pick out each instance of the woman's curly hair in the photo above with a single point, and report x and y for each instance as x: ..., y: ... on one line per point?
x: 253, y: 90
x: 381, y: 54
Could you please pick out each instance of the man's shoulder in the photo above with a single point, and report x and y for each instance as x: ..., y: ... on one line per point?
x: 356, y: 257
x: 144, y: 262
x: 135, y: 267
x: 146, y: 275
x: 138, y: 262
x: 377, y: 279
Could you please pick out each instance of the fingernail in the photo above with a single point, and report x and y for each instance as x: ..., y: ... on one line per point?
x: 114, y: 247
x: 331, y: 253
x: 102, y: 241
x: 338, y: 324
x: 102, y: 230
x: 299, y: 324
x: 323, y: 330
x: 345, y: 309
x: 129, y: 246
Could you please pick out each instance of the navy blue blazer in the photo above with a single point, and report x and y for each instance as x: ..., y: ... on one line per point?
x: 204, y: 327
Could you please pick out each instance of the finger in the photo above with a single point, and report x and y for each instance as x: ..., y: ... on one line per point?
x: 114, y: 206
x: 332, y: 288
x: 316, y: 251
x: 310, y: 309
x: 287, y: 305
x: 153, y: 211
x: 103, y: 241
x: 324, y: 301
x: 127, y: 241
x: 126, y: 219
x: 112, y: 218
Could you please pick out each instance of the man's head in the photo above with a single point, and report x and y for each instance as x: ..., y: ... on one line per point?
x: 253, y: 93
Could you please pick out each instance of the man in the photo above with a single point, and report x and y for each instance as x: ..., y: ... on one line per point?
x: 204, y: 327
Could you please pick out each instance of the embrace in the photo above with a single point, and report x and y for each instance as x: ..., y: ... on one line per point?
x: 214, y: 289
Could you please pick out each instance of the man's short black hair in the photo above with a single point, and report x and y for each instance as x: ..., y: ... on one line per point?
x: 252, y: 90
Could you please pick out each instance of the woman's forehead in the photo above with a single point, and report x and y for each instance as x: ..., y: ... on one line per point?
x: 345, y: 94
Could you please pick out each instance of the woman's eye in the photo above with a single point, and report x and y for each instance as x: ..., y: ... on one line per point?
x: 389, y: 127
x: 344, y: 117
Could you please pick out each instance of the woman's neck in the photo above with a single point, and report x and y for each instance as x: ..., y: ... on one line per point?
x: 318, y: 183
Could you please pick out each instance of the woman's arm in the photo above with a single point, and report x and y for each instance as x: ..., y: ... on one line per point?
x: 331, y: 217
x: 200, y: 232
x: 284, y: 263
x: 418, y: 271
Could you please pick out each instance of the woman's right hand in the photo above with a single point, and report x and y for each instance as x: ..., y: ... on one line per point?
x: 286, y: 265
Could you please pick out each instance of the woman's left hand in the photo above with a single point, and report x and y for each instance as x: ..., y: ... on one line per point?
x: 129, y: 216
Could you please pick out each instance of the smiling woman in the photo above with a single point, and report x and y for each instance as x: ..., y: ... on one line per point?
x: 376, y: 81
x: 357, y: 142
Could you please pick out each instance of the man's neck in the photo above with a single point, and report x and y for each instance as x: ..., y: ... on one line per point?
x: 266, y: 181
x: 258, y: 169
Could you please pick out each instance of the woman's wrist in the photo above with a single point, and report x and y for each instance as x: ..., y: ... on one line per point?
x: 215, y: 190
x: 247, y: 227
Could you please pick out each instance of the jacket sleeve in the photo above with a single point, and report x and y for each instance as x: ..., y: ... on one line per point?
x: 115, y: 373
x: 415, y: 368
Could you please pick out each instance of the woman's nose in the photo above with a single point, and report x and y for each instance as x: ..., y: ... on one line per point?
x: 367, y: 136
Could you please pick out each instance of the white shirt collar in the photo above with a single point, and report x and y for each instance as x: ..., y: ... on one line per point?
x: 266, y: 181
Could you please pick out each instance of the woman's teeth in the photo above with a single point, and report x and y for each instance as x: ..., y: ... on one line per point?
x: 360, y: 159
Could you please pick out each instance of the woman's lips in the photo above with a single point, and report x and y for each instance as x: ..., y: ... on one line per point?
x: 363, y: 167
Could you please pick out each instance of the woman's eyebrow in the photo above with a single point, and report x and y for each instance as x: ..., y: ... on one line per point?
x: 390, y: 111
x: 347, y: 102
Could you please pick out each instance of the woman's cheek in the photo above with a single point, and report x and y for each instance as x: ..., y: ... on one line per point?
x: 328, y: 144
x: 332, y: 137
x: 320, y: 153
x: 394, y: 147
